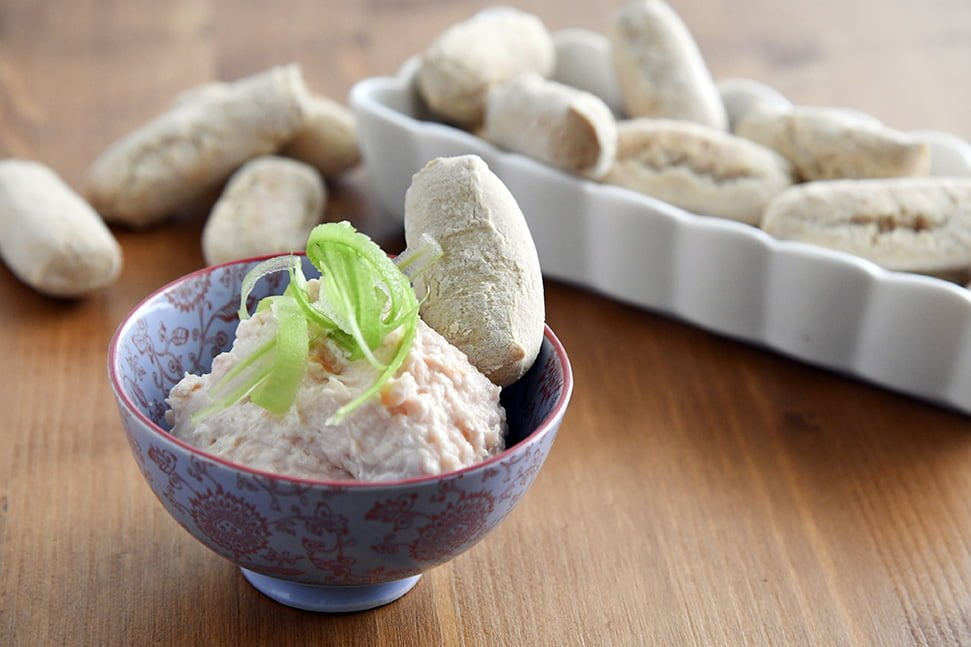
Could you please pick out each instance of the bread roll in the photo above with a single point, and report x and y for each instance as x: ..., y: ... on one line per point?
x: 327, y: 140
x: 910, y: 224
x: 832, y: 143
x: 700, y: 169
x: 568, y: 128
x: 493, y: 46
x: 194, y: 146
x: 659, y: 68
x: 269, y: 206
x: 583, y: 61
x: 51, y: 238
x: 485, y: 294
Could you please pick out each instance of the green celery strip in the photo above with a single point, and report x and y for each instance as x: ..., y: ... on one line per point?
x: 363, y: 297
x: 370, y: 298
x: 269, y: 266
x: 313, y: 312
x: 278, y: 391
x: 220, y: 392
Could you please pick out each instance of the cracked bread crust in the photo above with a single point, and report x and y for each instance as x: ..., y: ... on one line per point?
x: 700, y: 169
x: 907, y: 224
x: 829, y: 144
x: 485, y: 294
x: 142, y: 178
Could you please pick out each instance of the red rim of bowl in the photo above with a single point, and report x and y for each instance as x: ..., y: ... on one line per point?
x: 544, y: 426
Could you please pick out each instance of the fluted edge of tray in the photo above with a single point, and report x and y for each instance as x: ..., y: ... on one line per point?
x: 902, y: 331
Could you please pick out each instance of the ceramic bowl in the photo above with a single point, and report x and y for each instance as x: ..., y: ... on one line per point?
x: 316, y: 545
x: 817, y: 305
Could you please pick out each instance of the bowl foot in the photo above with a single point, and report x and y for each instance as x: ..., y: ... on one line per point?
x: 329, y: 599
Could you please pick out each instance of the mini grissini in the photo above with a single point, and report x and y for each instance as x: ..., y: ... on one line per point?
x: 659, y: 69
x: 485, y: 294
x: 552, y: 122
x: 908, y: 224
x: 830, y: 143
x: 269, y: 205
x: 494, y: 45
x: 196, y: 144
x: 700, y: 169
x: 51, y: 238
x: 328, y: 138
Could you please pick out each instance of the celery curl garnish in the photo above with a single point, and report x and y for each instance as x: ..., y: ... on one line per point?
x: 363, y: 297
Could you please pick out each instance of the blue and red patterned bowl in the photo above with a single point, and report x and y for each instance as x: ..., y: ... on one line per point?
x: 316, y: 545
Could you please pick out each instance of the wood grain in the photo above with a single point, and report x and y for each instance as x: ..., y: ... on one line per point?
x: 701, y: 492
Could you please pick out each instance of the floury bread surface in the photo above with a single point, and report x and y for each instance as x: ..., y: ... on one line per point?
x: 51, y: 238
x: 328, y: 138
x: 908, y: 224
x: 195, y: 145
x: 268, y: 206
x: 485, y: 294
x: 660, y: 70
x: 700, y: 169
x: 568, y: 128
x: 470, y: 57
x: 830, y: 143
x: 438, y: 414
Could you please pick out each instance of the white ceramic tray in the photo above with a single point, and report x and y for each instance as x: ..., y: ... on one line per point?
x: 906, y: 332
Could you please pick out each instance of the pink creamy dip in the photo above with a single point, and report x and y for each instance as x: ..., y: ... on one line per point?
x: 438, y: 414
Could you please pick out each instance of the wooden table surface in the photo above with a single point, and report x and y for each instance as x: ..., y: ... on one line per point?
x: 701, y: 491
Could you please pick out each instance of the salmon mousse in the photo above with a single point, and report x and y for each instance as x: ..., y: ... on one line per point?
x: 338, y: 378
x: 436, y: 415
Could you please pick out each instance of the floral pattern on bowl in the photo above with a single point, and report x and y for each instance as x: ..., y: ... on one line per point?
x: 332, y: 534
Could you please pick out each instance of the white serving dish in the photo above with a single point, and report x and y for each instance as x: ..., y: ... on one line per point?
x: 906, y: 332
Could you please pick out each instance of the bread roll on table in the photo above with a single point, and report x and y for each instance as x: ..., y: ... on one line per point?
x: 51, y: 238
x: 195, y: 145
x: 269, y: 206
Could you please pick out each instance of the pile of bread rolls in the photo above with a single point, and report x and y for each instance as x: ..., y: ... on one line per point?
x: 827, y: 176
x: 268, y: 133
